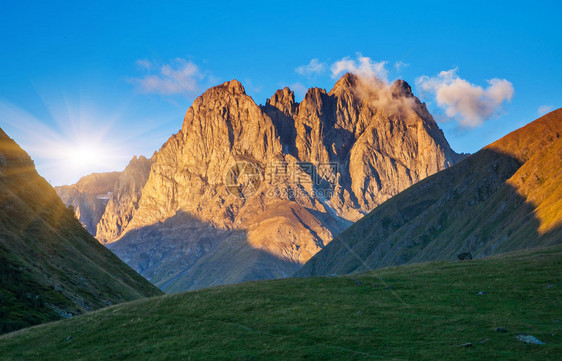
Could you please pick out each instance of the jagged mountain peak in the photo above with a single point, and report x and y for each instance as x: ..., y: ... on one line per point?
x: 282, y: 99
x: 140, y: 157
x: 222, y: 95
x: 314, y: 95
x: 233, y: 87
x: 376, y: 93
x: 347, y: 81
x: 401, y: 88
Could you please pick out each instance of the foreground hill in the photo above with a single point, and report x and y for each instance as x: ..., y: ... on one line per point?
x: 245, y: 192
x: 50, y: 266
x: 429, y: 313
x: 508, y: 196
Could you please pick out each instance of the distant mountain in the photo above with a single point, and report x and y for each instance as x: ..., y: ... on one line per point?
x: 506, y: 197
x: 89, y: 197
x: 124, y: 199
x: 50, y: 266
x: 247, y: 192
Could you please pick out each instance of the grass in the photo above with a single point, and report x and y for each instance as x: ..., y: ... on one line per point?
x: 352, y: 318
x: 23, y: 301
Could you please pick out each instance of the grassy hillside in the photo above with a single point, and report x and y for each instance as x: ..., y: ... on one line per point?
x: 506, y: 197
x: 50, y: 266
x: 429, y: 312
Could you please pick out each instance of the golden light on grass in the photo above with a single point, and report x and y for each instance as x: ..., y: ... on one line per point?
x: 539, y: 180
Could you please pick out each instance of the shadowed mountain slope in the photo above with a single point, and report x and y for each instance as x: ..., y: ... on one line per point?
x: 508, y: 196
x: 50, y: 266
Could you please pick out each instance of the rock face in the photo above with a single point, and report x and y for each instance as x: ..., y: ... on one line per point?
x: 506, y: 197
x: 124, y: 199
x: 89, y: 197
x: 248, y: 192
x: 50, y: 266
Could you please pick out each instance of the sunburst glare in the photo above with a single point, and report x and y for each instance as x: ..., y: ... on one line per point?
x: 76, y: 140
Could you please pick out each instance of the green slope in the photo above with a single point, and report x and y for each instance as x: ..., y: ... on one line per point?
x: 506, y: 197
x: 341, y: 318
x: 50, y: 266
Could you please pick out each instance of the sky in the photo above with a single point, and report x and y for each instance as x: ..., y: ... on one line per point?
x: 85, y: 86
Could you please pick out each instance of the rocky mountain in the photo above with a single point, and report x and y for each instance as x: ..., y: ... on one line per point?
x: 50, y: 266
x: 247, y: 192
x: 506, y: 197
x: 89, y: 197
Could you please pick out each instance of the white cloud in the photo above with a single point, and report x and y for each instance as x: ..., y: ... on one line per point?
x: 179, y: 76
x: 314, y: 67
x: 364, y: 67
x: 144, y: 64
x: 543, y: 109
x: 469, y: 104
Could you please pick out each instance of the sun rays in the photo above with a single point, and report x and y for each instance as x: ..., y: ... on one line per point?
x: 71, y: 138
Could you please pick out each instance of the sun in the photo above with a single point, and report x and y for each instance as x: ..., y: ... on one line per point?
x: 84, y: 156
x: 75, y: 138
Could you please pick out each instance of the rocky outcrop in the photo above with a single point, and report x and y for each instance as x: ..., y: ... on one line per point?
x: 247, y: 192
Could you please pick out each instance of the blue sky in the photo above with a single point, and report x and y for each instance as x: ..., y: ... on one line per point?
x: 83, y: 87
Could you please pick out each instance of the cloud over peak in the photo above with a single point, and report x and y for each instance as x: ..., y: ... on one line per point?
x: 467, y: 103
x: 364, y: 67
x: 374, y: 86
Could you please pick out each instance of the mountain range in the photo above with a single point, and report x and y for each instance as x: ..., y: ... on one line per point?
x: 347, y: 182
x: 245, y: 192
